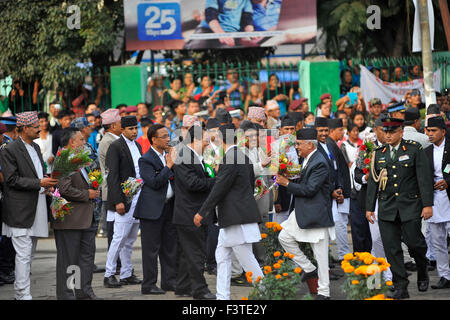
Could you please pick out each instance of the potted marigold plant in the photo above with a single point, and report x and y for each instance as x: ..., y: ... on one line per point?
x: 365, y: 279
x: 280, y: 282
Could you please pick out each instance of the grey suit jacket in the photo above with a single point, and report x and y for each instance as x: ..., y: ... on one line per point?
x: 21, y: 186
x: 106, y: 141
x: 75, y: 190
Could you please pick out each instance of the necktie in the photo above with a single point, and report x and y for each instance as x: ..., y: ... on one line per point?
x: 393, y: 154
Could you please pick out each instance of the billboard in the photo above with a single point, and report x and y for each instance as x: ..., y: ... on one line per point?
x: 207, y: 24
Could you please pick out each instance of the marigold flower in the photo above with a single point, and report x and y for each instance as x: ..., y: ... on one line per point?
x: 258, y: 279
x: 263, y: 235
x: 277, y: 254
x: 355, y: 281
x: 285, y: 274
x: 349, y: 269
x: 368, y: 260
x: 278, y: 276
x: 249, y: 280
x: 389, y: 283
x: 269, y: 225
x: 280, y: 261
x: 244, y: 298
x: 372, y: 269
x: 277, y: 266
x: 249, y: 274
x: 298, y: 270
x: 268, y: 268
x: 286, y: 254
x: 291, y: 256
x: 381, y: 260
x: 348, y: 256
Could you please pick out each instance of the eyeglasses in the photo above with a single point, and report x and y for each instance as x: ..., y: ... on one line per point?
x: 166, y: 136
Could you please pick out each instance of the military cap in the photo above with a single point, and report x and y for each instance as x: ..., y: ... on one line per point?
x: 399, y: 106
x: 390, y: 124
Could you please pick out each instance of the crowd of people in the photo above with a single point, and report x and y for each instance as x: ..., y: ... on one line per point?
x: 196, y: 211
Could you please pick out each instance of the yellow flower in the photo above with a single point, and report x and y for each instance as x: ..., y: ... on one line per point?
x: 269, y: 225
x: 285, y: 274
x: 278, y: 276
x: 389, y: 283
x: 298, y: 270
x: 355, y: 281
x: 372, y: 269
x: 348, y: 256
x: 381, y: 260
x: 277, y: 266
x: 277, y: 254
x: 368, y: 260
x: 263, y: 235
x: 349, y: 269
x: 361, y: 270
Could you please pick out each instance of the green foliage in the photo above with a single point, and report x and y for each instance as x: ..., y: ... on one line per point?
x: 37, y: 43
x: 68, y: 161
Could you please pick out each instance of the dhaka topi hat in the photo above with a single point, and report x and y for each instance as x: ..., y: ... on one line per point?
x: 437, y: 122
x: 256, y: 113
x: 271, y: 105
x: 321, y: 122
x: 287, y: 121
x: 223, y: 116
x: 189, y: 121
x: 110, y: 116
x: 26, y: 118
x: 296, y: 116
x: 335, y: 123
x: 128, y: 121
x: 212, y: 123
x: 307, y: 134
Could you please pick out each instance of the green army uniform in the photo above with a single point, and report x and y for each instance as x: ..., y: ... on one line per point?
x: 409, y: 188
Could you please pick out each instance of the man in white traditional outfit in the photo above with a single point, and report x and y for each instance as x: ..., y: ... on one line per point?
x: 312, y: 219
x: 25, y: 211
x: 238, y: 213
x: 439, y: 223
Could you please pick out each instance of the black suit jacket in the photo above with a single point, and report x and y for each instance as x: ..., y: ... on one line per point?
x: 192, y: 187
x: 156, y: 178
x: 21, y: 186
x: 343, y: 171
x: 312, y: 194
x: 233, y: 192
x: 334, y: 177
x: 445, y: 161
x: 119, y: 163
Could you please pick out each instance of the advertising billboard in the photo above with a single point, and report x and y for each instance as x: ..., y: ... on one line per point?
x: 209, y: 24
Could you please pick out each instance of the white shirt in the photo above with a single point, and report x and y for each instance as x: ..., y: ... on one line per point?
x: 441, y: 207
x: 199, y: 157
x: 163, y: 160
x: 40, y: 224
x: 324, y: 146
x: 135, y: 154
x: 46, y: 149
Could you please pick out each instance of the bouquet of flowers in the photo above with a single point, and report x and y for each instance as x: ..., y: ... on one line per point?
x: 261, y: 188
x: 95, y: 178
x: 69, y: 161
x: 131, y: 187
x: 60, y: 207
x: 365, y: 156
x: 286, y: 158
x: 212, y: 158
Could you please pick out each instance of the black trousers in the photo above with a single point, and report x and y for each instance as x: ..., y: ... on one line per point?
x: 211, y: 245
x: 75, y: 248
x: 392, y: 235
x: 191, y: 253
x: 7, y: 256
x: 361, y: 238
x: 159, y: 239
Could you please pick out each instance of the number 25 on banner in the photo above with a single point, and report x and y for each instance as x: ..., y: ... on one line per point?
x: 159, y: 21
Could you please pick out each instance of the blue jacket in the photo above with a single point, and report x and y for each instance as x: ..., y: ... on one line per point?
x: 156, y: 182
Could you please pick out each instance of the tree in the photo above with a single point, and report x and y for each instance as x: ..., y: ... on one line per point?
x: 38, y: 44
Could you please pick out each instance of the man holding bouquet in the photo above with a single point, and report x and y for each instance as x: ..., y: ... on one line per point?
x: 75, y: 234
x: 122, y: 163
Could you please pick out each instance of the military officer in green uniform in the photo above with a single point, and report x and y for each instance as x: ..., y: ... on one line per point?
x: 402, y: 180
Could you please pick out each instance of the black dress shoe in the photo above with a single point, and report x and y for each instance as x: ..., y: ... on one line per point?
x: 98, y: 269
x: 168, y: 288
x: 422, y: 282
x: 442, y: 284
x: 410, y: 266
x: 431, y: 265
x: 308, y: 275
x: 89, y: 297
x: 240, y: 281
x: 130, y: 280
x: 206, y: 296
x: 111, y: 282
x: 400, y: 294
x: 153, y: 290
x: 322, y: 297
x: 7, y: 278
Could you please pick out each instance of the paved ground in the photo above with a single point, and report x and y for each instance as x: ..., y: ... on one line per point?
x: 43, y: 279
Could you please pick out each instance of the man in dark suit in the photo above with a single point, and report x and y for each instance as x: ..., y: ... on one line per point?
x: 340, y: 210
x: 155, y: 212
x: 24, y: 206
x: 238, y: 213
x: 402, y: 180
x: 75, y: 235
x: 192, y: 186
x: 312, y: 221
x: 122, y: 163
x: 439, y: 155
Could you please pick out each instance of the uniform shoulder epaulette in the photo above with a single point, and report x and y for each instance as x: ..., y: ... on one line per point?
x: 414, y: 143
x: 379, y: 147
